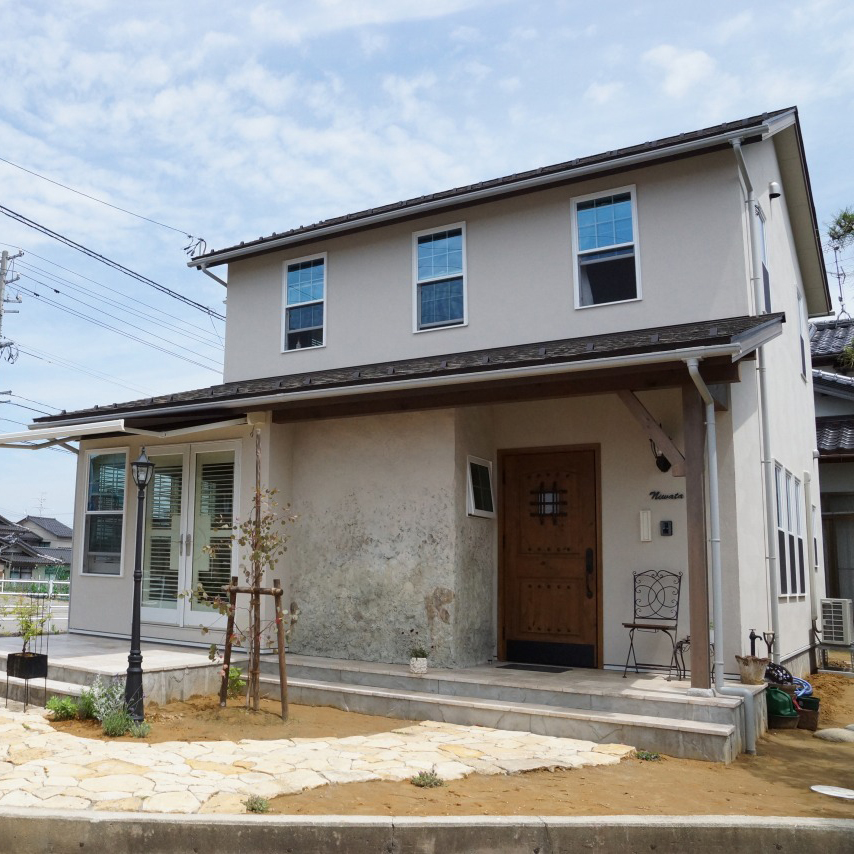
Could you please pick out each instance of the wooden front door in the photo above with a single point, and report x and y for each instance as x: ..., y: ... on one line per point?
x: 550, y: 602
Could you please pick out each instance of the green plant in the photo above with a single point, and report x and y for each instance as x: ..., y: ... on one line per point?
x: 108, y: 697
x: 86, y: 705
x: 427, y: 780
x: 116, y: 723
x: 30, y: 618
x: 648, y: 756
x: 235, y: 683
x: 418, y: 652
x: 140, y: 729
x: 255, y: 803
x: 63, y: 708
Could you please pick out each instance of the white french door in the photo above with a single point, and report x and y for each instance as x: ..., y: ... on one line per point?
x: 189, y: 519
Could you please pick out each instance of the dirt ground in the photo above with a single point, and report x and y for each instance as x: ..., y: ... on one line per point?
x: 201, y: 719
x: 775, y: 782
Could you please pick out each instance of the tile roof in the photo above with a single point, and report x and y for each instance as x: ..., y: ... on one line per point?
x: 508, y: 183
x: 51, y: 525
x: 832, y: 381
x: 479, y: 363
x: 835, y: 435
x: 828, y: 338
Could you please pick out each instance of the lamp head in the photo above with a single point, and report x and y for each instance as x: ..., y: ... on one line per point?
x: 142, y: 470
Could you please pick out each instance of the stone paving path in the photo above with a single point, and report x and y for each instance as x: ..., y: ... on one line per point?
x: 42, y: 767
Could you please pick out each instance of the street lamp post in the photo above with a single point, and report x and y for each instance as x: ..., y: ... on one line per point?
x: 142, y: 470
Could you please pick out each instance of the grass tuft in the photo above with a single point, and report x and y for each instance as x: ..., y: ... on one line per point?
x: 427, y: 780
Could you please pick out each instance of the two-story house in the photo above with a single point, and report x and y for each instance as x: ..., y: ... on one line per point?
x: 488, y: 407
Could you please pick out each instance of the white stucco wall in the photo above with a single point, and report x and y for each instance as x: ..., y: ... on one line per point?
x: 791, y: 416
x: 826, y: 404
x: 519, y: 275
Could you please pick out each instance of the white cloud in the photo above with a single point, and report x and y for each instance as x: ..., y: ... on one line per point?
x: 510, y: 85
x: 682, y: 70
x: 730, y: 28
x: 602, y: 93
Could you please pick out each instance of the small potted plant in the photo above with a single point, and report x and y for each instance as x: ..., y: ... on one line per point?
x: 418, y: 660
x: 31, y: 620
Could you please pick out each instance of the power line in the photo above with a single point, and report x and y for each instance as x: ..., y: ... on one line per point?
x: 112, y: 290
x: 21, y: 406
x: 134, y: 325
x: 43, y: 229
x: 61, y: 361
x: 94, y: 199
x: 36, y: 402
x: 123, y: 333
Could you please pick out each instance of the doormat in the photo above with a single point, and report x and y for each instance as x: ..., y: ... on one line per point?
x: 540, y: 668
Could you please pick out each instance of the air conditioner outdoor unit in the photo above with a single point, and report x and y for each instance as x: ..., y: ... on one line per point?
x: 837, y: 623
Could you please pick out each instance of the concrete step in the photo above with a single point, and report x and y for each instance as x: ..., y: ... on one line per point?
x: 586, y: 695
x: 40, y: 690
x: 676, y: 737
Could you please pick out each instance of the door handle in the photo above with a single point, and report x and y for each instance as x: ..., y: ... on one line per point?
x: 181, y: 545
x: 188, y: 543
x: 589, y: 570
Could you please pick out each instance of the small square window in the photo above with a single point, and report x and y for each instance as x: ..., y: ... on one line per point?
x: 481, y: 500
x: 606, y: 265
x: 439, y: 262
x: 305, y: 292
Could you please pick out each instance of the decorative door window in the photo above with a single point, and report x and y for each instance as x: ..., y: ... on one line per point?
x: 549, y: 501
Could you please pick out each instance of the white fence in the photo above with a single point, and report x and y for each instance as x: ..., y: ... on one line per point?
x: 13, y: 590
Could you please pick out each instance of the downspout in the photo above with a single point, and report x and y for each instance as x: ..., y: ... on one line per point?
x: 767, y: 460
x: 809, y: 537
x: 717, y: 581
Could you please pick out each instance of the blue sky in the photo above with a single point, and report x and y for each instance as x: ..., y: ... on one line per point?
x: 229, y: 121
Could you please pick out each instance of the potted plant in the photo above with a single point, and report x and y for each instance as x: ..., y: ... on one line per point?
x: 31, y: 619
x: 752, y: 669
x: 418, y: 660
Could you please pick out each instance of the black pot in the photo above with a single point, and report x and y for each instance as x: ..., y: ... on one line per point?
x: 26, y: 665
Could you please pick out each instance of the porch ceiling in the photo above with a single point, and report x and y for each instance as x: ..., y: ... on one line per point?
x: 634, y: 359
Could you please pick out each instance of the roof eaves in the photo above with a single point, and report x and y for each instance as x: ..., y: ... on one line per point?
x: 693, y: 142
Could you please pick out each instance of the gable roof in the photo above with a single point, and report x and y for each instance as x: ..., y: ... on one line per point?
x: 731, y: 338
x: 7, y: 526
x: 51, y: 525
x: 751, y: 129
x: 783, y: 125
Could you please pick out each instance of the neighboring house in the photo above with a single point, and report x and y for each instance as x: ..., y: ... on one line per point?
x: 25, y: 554
x: 51, y: 531
x: 457, y: 395
x: 834, y: 410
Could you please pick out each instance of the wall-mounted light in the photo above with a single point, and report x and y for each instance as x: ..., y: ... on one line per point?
x: 774, y: 190
x: 660, y: 460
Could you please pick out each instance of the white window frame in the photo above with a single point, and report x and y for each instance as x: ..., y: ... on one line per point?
x: 85, y: 512
x: 792, y: 563
x: 416, y: 301
x: 470, y: 505
x: 631, y: 189
x: 285, y: 306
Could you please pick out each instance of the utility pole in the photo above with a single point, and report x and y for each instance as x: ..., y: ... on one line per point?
x: 5, y: 258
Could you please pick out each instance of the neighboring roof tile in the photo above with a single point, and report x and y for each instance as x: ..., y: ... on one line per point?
x: 481, y: 362
x: 829, y: 380
x: 835, y: 435
x: 53, y: 526
x: 829, y: 338
x: 507, y: 181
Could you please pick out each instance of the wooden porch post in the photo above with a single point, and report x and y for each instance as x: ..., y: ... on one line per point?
x: 695, y: 505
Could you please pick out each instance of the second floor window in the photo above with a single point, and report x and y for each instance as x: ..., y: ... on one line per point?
x: 305, y: 287
x: 606, y: 248
x: 440, y: 278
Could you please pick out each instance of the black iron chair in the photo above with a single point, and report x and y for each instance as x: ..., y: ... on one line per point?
x: 656, y: 610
